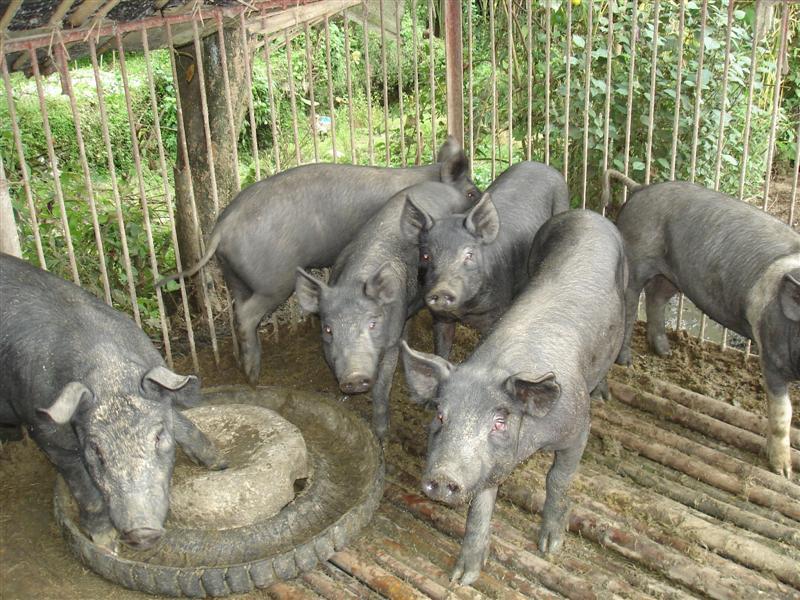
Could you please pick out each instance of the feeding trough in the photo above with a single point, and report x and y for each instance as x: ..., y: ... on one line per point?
x: 270, y: 516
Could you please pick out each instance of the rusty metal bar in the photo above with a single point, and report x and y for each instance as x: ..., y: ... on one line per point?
x: 509, y: 7
x: 399, y: 54
x: 368, y: 78
x: 432, y: 74
x: 51, y: 153
x: 349, y: 78
x: 679, y: 80
x: 529, y: 15
x: 629, y: 117
x: 607, y: 109
x: 698, y: 96
x: 385, y: 86
x: 470, y: 84
x: 190, y: 186
x: 776, y: 96
x: 66, y: 84
x: 793, y: 202
x: 493, y: 78
x: 137, y: 161
x: 272, y: 110
x: 228, y: 102
x: 249, y: 83
x: 587, y: 50
x: 292, y: 97
x: 311, y: 96
x: 417, y: 117
x: 162, y: 162
x: 331, y: 107
x: 23, y: 167
x: 749, y: 107
x: 567, y: 83
x: 455, y: 70
x: 549, y: 37
x: 651, y: 110
x: 723, y: 102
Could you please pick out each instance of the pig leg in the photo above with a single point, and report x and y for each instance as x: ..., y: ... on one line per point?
x: 249, y: 313
x: 381, y: 391
x: 195, y: 444
x: 475, y: 547
x: 556, y: 504
x: 657, y: 293
x: 443, y: 334
x: 600, y: 392
x: 779, y: 408
x: 631, y: 304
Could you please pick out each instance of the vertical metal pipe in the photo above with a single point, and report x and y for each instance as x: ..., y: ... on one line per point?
x: 698, y: 95
x: 292, y: 97
x: 23, y: 167
x: 587, y: 50
x: 679, y: 80
x: 349, y: 77
x: 387, y: 155
x: 530, y: 79
x: 432, y: 73
x: 455, y: 70
x: 123, y: 236
x: 331, y: 107
x: 234, y: 143
x: 748, y: 107
x: 400, y: 100
x: 162, y: 162
x: 607, y: 109
x: 510, y: 9
x: 653, y: 72
x: 793, y: 202
x: 567, y: 82
x: 368, y: 80
x: 493, y: 78
x: 723, y: 102
x: 66, y: 85
x: 276, y: 146
x: 631, y: 73
x: 137, y: 162
x: 51, y: 153
x: 248, y: 79
x: 776, y: 96
x: 548, y: 40
x: 311, y: 97
x: 470, y: 93
x: 415, y: 53
x: 184, y: 148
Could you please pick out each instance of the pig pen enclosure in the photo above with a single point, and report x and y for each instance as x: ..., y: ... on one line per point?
x: 127, y: 126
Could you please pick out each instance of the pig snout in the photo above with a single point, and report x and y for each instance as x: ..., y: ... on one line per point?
x: 143, y: 537
x: 441, y: 299
x: 355, y: 383
x: 443, y: 488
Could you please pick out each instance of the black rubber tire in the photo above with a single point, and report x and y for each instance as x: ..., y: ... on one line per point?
x: 342, y: 494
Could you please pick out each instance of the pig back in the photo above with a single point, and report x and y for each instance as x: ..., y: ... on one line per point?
x: 53, y: 332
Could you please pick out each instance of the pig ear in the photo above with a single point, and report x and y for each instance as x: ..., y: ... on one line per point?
x: 448, y: 150
x: 159, y: 381
x: 309, y: 291
x: 790, y: 296
x: 414, y: 219
x: 383, y: 286
x: 455, y: 168
x: 424, y: 373
x: 72, y: 396
x: 537, y: 395
x: 483, y: 221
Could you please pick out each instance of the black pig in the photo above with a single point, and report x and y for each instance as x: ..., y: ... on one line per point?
x: 96, y: 396
x: 526, y: 387
x: 738, y: 264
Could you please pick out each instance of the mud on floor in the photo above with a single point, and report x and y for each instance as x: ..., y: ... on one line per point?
x: 649, y: 520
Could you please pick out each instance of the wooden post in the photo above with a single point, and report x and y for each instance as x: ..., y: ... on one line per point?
x: 455, y: 69
x: 9, y: 241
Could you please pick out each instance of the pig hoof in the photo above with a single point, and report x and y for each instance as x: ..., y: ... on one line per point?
x: 550, y: 539
x: 780, y: 459
x: 463, y: 575
x: 624, y: 357
x: 660, y: 346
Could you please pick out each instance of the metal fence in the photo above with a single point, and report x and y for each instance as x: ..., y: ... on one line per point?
x: 660, y: 90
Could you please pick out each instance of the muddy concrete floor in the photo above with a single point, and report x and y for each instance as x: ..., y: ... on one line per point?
x: 649, y: 520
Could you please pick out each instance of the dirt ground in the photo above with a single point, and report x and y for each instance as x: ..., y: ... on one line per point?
x: 35, y: 563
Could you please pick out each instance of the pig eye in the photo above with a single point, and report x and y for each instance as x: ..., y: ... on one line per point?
x: 327, y: 329
x: 472, y: 194
x: 162, y: 440
x: 373, y: 323
x: 440, y: 417
x: 500, y: 423
x: 97, y: 453
x: 425, y: 256
x: 468, y: 255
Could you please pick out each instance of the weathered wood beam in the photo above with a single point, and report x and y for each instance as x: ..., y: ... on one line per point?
x: 12, y: 9
x: 84, y: 12
x: 58, y: 15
